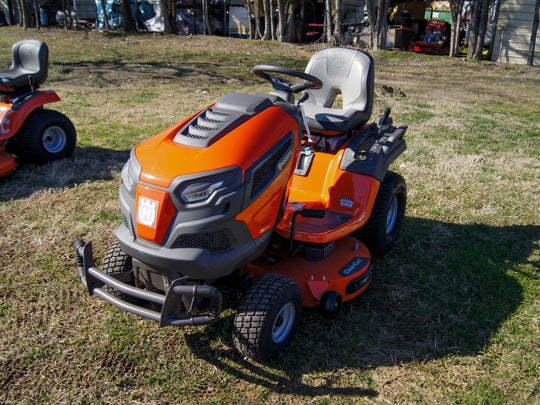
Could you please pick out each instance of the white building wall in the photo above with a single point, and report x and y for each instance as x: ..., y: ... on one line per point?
x: 514, y: 29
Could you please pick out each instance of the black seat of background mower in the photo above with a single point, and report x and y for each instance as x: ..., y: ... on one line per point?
x: 29, y: 67
x: 344, y: 71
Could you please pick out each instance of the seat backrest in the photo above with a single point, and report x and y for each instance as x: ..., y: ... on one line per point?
x: 30, y: 57
x: 344, y: 71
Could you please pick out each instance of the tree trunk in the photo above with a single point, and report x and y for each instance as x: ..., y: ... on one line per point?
x: 478, y: 28
x: 105, y: 16
x: 530, y: 59
x: 378, y: 22
x: 337, y: 23
x: 167, y: 26
x: 257, y: 34
x: 482, y: 29
x: 128, y: 24
x: 456, y: 8
x: 23, y: 14
x: 328, y: 21
x: 382, y: 23
x: 69, y: 17
x: 473, y: 28
x: 36, y: 13
x: 371, y: 7
x: 289, y: 21
x: 267, y: 20
x: 172, y: 15
x: 495, y: 22
x: 207, y: 25
x: 282, y: 6
x: 10, y: 16
x: 272, y: 23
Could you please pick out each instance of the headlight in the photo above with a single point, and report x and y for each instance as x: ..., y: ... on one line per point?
x: 126, y: 178
x: 200, y: 192
x: 207, y: 187
x: 131, y: 172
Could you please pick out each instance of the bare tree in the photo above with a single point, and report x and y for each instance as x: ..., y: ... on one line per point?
x: 282, y: 7
x: 105, y: 16
x: 267, y: 20
x: 478, y: 28
x: 328, y: 21
x: 494, y: 23
x: 169, y: 27
x: 36, y: 13
x: 534, y: 32
x: 24, y: 13
x: 456, y: 8
x: 378, y: 22
x: 128, y: 24
x: 10, y: 16
x: 206, y: 14
x: 337, y: 23
x: 289, y: 21
x: 257, y: 28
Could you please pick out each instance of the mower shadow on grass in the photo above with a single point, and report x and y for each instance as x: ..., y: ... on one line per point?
x: 446, y: 289
x: 113, y: 72
x: 87, y: 163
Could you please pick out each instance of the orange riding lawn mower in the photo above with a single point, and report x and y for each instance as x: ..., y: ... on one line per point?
x: 27, y: 130
x: 273, y: 201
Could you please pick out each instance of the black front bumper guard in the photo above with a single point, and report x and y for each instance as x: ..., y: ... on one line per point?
x: 177, y: 295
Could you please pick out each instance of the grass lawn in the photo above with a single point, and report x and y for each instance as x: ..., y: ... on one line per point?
x: 452, y: 314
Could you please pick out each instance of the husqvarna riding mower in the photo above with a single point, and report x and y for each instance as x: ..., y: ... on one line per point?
x: 26, y: 128
x: 260, y: 198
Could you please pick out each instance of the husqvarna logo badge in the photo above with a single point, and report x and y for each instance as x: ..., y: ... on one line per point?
x: 147, y: 212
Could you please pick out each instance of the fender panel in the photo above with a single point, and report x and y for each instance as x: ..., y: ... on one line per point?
x: 13, y: 115
x: 373, y: 159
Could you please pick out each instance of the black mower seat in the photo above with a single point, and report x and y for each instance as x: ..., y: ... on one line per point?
x: 344, y: 71
x: 29, y: 67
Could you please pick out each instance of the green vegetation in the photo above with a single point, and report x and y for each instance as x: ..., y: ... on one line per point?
x: 452, y: 315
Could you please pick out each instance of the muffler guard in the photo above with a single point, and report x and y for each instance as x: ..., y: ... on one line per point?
x: 179, y: 295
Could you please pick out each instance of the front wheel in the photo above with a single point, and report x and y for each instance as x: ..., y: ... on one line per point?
x: 118, y: 264
x: 381, y: 231
x: 46, y: 135
x: 267, y: 317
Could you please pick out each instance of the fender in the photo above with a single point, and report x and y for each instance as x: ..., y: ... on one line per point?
x: 363, y: 156
x: 13, y: 115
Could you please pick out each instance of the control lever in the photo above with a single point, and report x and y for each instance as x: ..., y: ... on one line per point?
x: 303, y: 98
x: 383, y: 120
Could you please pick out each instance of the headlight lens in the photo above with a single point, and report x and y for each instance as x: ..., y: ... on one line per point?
x: 126, y: 178
x: 200, y: 192
x: 209, y: 188
x: 131, y: 172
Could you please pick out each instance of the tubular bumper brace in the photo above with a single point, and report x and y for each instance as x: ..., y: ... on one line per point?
x: 94, y: 279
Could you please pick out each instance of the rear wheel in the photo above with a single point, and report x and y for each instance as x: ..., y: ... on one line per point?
x: 381, y: 231
x: 267, y: 317
x: 46, y: 135
x: 120, y: 266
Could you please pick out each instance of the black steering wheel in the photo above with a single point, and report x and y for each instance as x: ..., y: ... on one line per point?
x: 267, y: 72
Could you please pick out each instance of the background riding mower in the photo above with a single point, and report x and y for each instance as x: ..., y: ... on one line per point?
x: 255, y: 199
x: 27, y: 129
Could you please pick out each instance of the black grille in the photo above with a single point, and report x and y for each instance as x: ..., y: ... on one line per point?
x: 267, y: 170
x: 214, y: 242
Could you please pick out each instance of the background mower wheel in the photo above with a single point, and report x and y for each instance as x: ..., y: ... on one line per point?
x: 119, y: 265
x: 267, y: 317
x: 46, y: 135
x: 381, y: 231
